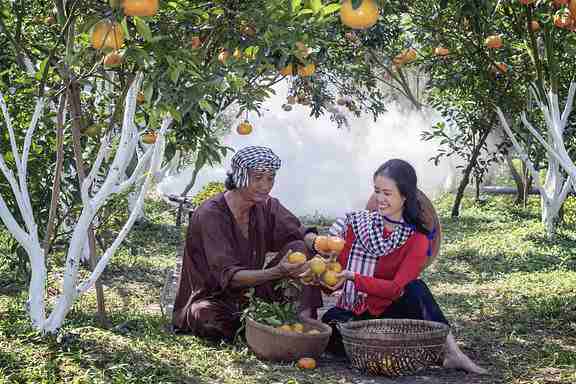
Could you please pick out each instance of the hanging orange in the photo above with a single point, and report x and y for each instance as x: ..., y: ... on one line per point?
x: 112, y: 59
x: 441, y: 51
x: 493, y: 42
x: 149, y: 138
x: 308, y: 70
x: 363, y: 17
x: 140, y: 7
x: 107, y: 34
x: 244, y: 128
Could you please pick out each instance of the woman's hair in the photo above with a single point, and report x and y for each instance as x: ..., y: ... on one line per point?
x: 229, y: 184
x: 405, y: 178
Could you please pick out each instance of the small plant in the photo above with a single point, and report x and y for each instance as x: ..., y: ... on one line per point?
x: 209, y: 190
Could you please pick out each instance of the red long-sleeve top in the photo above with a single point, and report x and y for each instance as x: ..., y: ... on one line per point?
x: 392, y: 272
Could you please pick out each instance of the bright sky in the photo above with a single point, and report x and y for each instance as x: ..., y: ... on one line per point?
x: 327, y: 170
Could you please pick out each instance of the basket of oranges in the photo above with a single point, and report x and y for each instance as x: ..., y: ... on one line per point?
x: 274, y: 331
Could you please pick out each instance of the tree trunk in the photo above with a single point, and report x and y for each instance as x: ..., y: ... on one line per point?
x: 467, y: 172
x: 520, y: 187
x: 76, y: 113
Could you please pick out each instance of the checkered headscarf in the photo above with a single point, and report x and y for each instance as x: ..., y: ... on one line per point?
x: 368, y: 246
x: 256, y: 158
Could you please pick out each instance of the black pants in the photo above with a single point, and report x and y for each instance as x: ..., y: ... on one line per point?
x: 417, y: 303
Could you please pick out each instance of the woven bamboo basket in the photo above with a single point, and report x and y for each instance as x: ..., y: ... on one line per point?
x: 393, y: 347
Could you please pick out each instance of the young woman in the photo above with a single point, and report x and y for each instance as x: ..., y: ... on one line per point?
x: 385, y: 252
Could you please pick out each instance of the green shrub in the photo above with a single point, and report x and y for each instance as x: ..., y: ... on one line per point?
x: 209, y: 190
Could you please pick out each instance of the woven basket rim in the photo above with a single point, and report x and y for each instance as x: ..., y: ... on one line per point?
x: 325, y: 331
x: 350, y: 330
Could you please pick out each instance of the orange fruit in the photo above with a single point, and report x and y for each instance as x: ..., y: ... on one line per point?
x: 563, y: 19
x: 363, y: 17
x: 107, y: 34
x: 317, y: 265
x: 140, y: 7
x: 307, y: 70
x: 441, y: 51
x: 112, y: 59
x: 196, y: 42
x: 287, y: 70
x: 322, y: 244
x: 149, y: 138
x: 336, y: 244
x: 285, y: 328
x: 298, y: 327
x: 296, y: 258
x: 330, y: 278
x: 223, y: 56
x: 493, y: 42
x: 140, y: 98
x: 237, y: 54
x: 534, y: 26
x: 244, y: 128
x: 306, y: 363
x: 334, y: 267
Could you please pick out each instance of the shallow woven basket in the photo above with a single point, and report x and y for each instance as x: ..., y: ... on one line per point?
x: 393, y: 347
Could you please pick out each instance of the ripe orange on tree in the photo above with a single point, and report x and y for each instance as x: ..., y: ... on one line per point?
x: 363, y: 16
x: 534, y: 26
x: 441, y: 51
x: 307, y: 70
x: 287, y: 70
x: 140, y: 7
x: 196, y: 42
x: 140, y: 98
x: 563, y: 19
x: 244, y: 128
x: 113, y: 59
x: 493, y: 42
x: 107, y: 34
x: 149, y: 137
x: 223, y: 56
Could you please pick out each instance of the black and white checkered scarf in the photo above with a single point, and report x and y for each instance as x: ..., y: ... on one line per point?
x: 368, y: 246
x: 256, y: 158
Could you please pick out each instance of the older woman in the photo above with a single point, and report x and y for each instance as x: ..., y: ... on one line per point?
x: 385, y: 251
x: 228, y: 238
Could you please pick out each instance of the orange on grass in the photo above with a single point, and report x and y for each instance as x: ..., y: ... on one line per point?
x: 306, y: 363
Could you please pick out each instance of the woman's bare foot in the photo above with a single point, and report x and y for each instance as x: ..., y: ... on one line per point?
x: 456, y: 359
x: 461, y: 361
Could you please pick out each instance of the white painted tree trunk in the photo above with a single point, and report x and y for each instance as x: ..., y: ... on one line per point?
x: 113, y: 183
x: 556, y: 186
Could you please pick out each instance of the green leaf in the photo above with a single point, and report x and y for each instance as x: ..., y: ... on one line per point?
x: 315, y: 5
x: 330, y: 8
x: 296, y: 5
x: 143, y: 28
x: 206, y: 106
x: 40, y: 71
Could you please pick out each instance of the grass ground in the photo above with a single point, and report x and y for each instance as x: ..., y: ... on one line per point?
x: 508, y: 291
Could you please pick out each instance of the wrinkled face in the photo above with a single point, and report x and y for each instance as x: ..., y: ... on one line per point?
x: 389, y: 200
x: 260, y: 185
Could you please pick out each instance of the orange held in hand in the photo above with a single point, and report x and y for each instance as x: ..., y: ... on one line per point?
x: 330, y: 278
x: 336, y: 244
x: 306, y: 363
x: 317, y: 265
x: 296, y: 258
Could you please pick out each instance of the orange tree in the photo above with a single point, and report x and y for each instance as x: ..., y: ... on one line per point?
x: 197, y: 59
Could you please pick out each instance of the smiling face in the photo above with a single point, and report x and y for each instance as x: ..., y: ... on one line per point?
x: 389, y: 200
x: 260, y: 185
